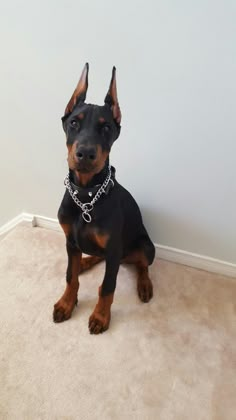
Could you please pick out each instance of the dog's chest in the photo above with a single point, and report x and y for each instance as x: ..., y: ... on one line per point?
x: 91, y: 239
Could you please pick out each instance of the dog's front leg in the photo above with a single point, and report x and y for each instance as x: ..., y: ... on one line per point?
x: 100, y: 319
x: 64, y: 307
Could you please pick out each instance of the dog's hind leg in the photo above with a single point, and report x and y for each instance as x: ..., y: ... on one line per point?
x: 89, y: 262
x: 142, y: 257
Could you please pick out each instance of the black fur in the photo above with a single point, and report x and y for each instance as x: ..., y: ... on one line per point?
x: 116, y: 214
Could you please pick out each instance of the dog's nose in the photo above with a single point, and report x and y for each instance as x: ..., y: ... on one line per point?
x: 86, y: 153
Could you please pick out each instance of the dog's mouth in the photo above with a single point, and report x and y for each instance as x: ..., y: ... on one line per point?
x: 82, y: 167
x: 85, y: 168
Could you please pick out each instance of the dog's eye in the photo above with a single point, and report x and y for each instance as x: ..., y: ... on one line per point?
x: 106, y: 129
x: 74, y: 123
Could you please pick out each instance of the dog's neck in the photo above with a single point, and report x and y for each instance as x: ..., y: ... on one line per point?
x: 84, y: 180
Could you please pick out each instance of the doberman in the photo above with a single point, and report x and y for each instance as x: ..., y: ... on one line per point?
x: 99, y: 217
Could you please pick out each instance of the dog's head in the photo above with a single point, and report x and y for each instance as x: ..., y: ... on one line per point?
x: 91, y: 129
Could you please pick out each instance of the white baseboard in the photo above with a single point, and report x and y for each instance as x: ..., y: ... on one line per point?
x: 163, y: 252
x: 7, y: 227
x: 201, y: 262
x: 47, y: 223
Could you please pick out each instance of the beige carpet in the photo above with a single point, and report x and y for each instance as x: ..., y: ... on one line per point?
x: 171, y: 359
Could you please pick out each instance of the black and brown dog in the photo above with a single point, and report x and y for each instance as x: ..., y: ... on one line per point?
x: 99, y: 217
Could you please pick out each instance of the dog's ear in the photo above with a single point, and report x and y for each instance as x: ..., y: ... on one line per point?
x: 111, y: 98
x: 80, y: 90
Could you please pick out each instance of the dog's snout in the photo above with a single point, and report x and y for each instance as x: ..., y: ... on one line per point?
x: 86, y: 153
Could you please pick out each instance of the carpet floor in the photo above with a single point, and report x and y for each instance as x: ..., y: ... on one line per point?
x: 171, y: 359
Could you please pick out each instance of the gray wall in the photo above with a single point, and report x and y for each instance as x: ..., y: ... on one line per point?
x: 176, y: 66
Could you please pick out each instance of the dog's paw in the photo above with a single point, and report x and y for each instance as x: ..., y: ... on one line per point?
x: 62, y: 310
x: 98, y: 323
x: 145, y: 290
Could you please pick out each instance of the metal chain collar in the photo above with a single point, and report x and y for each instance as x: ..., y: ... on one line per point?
x: 87, y: 207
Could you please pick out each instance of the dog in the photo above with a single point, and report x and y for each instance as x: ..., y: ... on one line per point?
x: 98, y: 216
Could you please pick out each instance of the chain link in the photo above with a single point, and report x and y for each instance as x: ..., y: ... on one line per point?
x: 87, y: 207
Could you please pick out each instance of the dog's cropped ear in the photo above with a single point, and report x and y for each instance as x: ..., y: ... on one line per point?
x: 80, y: 90
x: 111, y: 98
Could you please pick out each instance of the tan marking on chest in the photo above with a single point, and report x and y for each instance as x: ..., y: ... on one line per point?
x: 100, y: 239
